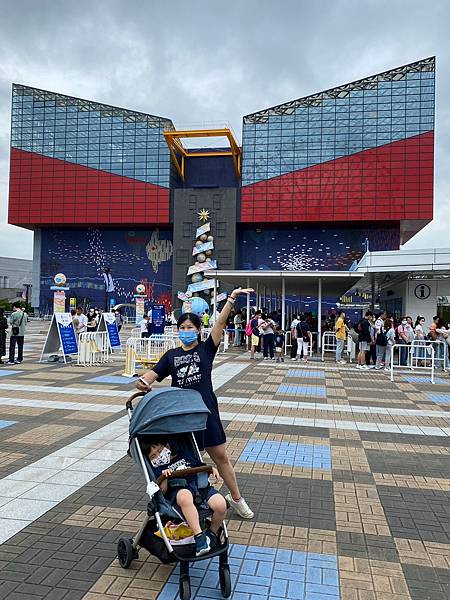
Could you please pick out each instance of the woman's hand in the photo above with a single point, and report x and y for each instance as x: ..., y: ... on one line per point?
x: 238, y: 291
x: 167, y: 473
x: 144, y: 383
x: 216, y: 475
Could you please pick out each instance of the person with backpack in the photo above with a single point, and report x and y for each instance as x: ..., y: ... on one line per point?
x: 304, y: 337
x: 18, y: 322
x: 381, y: 344
x: 252, y: 330
x: 364, y: 339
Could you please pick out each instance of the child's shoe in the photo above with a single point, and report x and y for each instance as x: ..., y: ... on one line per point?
x: 213, y: 539
x: 202, y: 544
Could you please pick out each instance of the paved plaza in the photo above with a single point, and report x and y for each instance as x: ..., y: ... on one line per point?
x: 348, y: 475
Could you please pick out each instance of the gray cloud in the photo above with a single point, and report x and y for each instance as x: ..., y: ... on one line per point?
x: 208, y: 61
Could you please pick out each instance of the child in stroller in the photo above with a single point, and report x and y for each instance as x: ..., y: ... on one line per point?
x: 161, y: 430
x: 166, y: 459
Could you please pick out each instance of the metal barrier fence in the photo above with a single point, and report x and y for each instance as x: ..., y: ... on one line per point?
x: 93, y: 348
x: 420, y: 348
x: 425, y: 362
x: 145, y: 351
x: 329, y: 345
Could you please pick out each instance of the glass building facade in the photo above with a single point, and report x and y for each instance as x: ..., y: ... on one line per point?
x: 361, y: 144
x: 111, y: 162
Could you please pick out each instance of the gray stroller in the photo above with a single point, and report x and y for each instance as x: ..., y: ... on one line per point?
x: 175, y: 414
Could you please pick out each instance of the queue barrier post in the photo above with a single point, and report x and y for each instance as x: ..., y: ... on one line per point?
x: 93, y: 348
x: 422, y: 361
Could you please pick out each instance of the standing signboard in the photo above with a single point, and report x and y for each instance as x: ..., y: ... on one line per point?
x: 108, y: 323
x: 61, y: 336
x: 158, y: 318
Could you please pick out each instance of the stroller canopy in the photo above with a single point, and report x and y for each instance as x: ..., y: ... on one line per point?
x: 169, y: 410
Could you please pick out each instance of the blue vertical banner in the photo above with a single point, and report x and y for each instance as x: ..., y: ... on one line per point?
x: 66, y: 333
x: 158, y: 318
x: 111, y: 327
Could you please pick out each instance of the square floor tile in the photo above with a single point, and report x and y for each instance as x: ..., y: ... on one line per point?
x: 113, y: 379
x: 4, y: 424
x: 9, y: 527
x: 424, y: 379
x: 301, y: 390
x: 439, y: 398
x: 8, y: 372
x: 301, y: 373
x: 263, y: 574
x: 287, y: 453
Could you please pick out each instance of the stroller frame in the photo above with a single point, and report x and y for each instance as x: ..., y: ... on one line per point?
x: 128, y: 549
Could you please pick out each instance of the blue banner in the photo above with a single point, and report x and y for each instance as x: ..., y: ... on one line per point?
x: 111, y: 328
x: 66, y: 333
x: 158, y: 318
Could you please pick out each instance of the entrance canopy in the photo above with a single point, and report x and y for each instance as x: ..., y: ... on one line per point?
x: 286, y: 283
x: 333, y: 283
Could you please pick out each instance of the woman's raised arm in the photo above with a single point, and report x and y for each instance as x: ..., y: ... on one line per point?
x: 221, y: 321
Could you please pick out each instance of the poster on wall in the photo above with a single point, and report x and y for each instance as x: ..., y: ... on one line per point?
x: 108, y: 323
x: 61, y: 336
x: 59, y: 301
x: 140, y: 309
x: 158, y: 318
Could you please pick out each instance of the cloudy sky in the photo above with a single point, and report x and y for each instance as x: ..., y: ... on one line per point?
x: 205, y: 60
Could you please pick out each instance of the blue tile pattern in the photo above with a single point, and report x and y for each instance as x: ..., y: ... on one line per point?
x: 4, y: 424
x: 7, y: 372
x: 301, y: 390
x: 439, y: 398
x: 264, y: 574
x: 311, y: 373
x: 314, y: 456
x: 113, y: 379
x: 423, y: 379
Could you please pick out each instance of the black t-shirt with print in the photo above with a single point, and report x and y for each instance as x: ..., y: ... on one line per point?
x: 198, y: 364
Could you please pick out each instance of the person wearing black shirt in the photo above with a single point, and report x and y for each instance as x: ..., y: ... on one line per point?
x: 364, y: 339
x: 190, y: 366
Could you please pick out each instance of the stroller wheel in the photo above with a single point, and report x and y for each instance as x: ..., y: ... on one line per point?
x: 225, y: 581
x: 185, y: 588
x: 125, y: 552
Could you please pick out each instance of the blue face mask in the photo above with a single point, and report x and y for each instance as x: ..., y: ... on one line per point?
x: 187, y: 337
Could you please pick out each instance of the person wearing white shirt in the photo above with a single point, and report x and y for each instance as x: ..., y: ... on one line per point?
x: 294, y: 345
x: 145, y: 333
x: 82, y: 321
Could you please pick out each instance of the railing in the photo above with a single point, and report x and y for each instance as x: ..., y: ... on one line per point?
x: 145, y: 351
x: 422, y: 347
x: 420, y: 357
x: 93, y: 348
x: 329, y: 345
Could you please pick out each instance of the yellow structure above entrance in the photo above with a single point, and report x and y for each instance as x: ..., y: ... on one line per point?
x: 179, y: 153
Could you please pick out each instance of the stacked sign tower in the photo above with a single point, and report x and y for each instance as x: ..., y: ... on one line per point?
x: 199, y: 288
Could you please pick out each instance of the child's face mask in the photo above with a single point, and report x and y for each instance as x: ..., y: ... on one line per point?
x: 162, y: 459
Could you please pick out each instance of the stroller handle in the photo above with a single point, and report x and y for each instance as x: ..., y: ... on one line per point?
x: 129, y: 402
x: 185, y: 472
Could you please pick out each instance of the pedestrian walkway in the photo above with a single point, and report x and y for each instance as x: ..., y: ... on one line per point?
x: 350, y: 485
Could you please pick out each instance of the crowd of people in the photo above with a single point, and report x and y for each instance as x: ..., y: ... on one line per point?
x: 376, y: 334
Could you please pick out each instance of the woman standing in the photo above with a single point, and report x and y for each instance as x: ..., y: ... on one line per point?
x: 190, y: 366
x: 419, y: 337
x: 268, y: 331
x: 3, y: 330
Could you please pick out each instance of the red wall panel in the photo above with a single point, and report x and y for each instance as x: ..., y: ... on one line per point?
x: 391, y: 182
x: 48, y: 191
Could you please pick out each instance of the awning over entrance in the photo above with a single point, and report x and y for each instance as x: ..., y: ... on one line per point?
x: 285, y: 283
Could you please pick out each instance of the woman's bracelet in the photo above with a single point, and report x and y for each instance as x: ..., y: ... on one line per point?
x: 231, y: 300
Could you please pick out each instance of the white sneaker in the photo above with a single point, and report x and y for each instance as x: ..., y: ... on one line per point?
x: 342, y: 362
x: 241, y: 507
x: 293, y: 359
